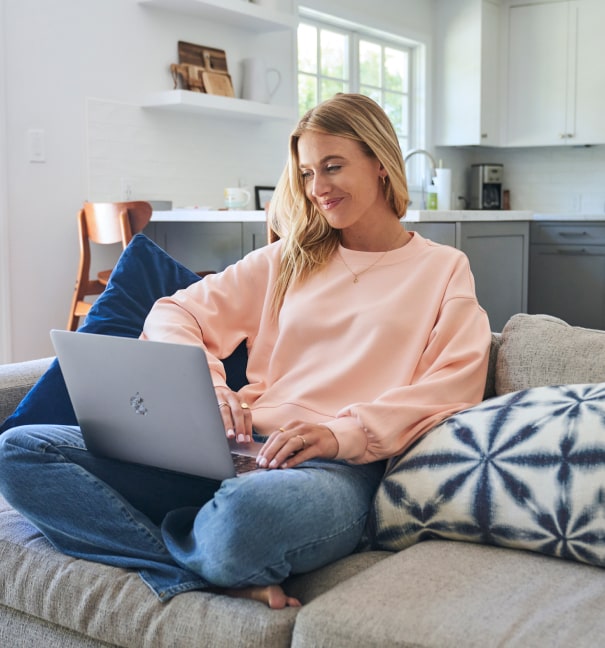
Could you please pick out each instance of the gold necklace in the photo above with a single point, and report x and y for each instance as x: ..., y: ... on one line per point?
x: 356, y: 275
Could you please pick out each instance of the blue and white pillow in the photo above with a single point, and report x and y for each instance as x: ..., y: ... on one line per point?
x: 525, y: 470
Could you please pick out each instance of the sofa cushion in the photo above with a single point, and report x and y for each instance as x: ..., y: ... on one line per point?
x: 16, y: 380
x: 452, y: 594
x: 543, y: 350
x: 525, y: 470
x: 115, y: 606
x: 143, y: 274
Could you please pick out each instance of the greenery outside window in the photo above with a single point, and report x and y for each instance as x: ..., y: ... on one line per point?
x: 336, y: 56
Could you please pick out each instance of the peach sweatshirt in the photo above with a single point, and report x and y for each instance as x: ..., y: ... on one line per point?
x: 379, y: 362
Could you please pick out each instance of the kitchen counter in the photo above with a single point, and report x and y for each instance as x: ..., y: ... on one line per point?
x: 413, y: 216
x: 465, y: 215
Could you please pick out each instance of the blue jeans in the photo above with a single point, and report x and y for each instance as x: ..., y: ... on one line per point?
x: 183, y: 532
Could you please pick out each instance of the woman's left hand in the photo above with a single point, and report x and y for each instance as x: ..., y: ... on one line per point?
x: 296, y: 442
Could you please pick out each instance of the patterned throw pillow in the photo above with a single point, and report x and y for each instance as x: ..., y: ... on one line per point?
x: 525, y: 470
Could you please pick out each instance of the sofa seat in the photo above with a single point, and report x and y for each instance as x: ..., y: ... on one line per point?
x: 43, y: 593
x: 452, y: 594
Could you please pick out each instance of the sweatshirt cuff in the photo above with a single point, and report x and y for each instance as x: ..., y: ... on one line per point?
x: 351, y: 437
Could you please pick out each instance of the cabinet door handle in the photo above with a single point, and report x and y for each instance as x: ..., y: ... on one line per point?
x: 573, y: 234
x: 581, y: 252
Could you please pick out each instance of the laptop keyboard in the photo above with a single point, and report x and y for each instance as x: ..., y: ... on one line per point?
x: 244, y: 463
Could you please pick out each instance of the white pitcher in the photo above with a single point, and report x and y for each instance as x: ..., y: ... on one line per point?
x: 260, y: 83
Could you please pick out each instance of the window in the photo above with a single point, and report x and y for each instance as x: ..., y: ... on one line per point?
x: 334, y: 56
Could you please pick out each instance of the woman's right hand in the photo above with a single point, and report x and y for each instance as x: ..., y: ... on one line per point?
x: 236, y: 415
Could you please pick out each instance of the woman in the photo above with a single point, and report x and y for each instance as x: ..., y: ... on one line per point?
x: 361, y: 337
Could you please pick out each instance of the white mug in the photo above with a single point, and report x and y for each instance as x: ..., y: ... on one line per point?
x: 260, y: 83
x: 236, y: 197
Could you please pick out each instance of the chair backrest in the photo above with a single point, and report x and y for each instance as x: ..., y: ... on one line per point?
x: 117, y: 222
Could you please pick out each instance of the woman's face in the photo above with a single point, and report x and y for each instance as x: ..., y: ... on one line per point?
x: 341, y: 181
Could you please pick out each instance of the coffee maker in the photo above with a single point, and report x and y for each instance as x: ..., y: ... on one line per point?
x: 486, y: 186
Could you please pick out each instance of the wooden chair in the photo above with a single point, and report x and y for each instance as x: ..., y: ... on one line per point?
x: 104, y: 224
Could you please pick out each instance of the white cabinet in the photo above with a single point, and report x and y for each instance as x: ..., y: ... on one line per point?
x: 555, y: 77
x: 468, y: 72
x: 251, y: 18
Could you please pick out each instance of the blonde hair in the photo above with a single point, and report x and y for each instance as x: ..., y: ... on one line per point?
x: 308, y: 240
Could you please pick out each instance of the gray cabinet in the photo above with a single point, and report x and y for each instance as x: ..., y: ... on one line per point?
x: 499, y: 256
x: 567, y: 272
x: 254, y: 235
x: 498, y: 252
x: 444, y: 233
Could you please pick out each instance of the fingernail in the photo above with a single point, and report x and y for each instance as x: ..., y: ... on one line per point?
x: 240, y: 438
x: 273, y: 464
x: 248, y: 438
x: 230, y: 434
x: 262, y: 462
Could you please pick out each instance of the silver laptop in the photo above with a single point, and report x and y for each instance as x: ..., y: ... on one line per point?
x: 150, y: 403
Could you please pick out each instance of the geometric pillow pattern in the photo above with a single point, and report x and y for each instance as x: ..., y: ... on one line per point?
x: 524, y: 470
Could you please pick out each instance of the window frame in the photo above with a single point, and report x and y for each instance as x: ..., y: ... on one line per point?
x: 417, y: 71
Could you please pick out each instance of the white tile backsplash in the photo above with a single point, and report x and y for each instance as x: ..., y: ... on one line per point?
x: 186, y: 158
x: 552, y: 179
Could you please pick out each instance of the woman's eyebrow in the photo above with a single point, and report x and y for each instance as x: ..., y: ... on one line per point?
x: 324, y: 160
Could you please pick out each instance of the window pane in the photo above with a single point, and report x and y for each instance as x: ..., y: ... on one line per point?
x: 395, y: 70
x: 396, y: 107
x: 334, y: 54
x: 373, y: 93
x: 307, y: 48
x: 369, y: 63
x: 329, y: 87
x: 307, y: 92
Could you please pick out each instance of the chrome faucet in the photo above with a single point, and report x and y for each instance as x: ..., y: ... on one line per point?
x: 419, y: 151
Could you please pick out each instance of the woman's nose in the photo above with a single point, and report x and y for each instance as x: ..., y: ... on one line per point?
x: 320, y: 186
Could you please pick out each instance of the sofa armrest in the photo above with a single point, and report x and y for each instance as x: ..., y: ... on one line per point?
x: 16, y: 380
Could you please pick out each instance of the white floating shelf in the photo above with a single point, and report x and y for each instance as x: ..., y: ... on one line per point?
x: 198, y: 102
x: 236, y: 13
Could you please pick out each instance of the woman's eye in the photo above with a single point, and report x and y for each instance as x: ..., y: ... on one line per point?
x: 306, y: 175
x: 333, y: 168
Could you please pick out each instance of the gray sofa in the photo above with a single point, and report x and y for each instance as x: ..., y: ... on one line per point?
x: 435, y: 593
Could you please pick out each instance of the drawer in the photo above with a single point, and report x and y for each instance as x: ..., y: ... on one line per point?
x: 576, y: 233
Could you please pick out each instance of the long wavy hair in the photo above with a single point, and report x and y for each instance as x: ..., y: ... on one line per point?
x: 308, y: 241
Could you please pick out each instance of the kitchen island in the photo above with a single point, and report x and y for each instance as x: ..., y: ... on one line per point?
x: 512, y: 275
x: 496, y: 242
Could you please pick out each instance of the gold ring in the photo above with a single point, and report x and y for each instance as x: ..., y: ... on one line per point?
x: 281, y: 429
x: 245, y: 406
x: 223, y: 404
x: 304, y: 443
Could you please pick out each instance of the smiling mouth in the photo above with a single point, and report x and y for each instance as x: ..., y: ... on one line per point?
x: 330, y: 204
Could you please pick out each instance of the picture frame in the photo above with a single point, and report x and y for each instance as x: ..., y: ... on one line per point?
x: 262, y: 195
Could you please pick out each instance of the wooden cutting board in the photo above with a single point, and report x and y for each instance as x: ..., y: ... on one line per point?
x: 210, y: 58
x: 209, y: 65
x: 218, y: 84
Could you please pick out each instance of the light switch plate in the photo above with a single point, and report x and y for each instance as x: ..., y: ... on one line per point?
x: 36, y: 145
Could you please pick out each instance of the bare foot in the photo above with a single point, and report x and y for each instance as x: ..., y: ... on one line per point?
x: 273, y: 595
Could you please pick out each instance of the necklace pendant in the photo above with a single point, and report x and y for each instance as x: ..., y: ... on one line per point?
x: 356, y: 280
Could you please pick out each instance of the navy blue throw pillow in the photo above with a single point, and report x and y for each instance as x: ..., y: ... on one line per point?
x: 143, y: 274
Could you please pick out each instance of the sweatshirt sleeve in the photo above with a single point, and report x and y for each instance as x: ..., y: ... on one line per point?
x: 218, y: 312
x: 449, y: 377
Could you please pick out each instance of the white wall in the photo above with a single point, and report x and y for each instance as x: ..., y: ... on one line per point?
x: 68, y: 60
x: 4, y: 247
